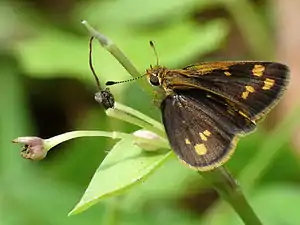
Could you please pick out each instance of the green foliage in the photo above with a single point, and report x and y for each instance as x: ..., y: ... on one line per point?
x: 33, y: 47
x: 125, y: 165
x: 275, y: 204
x: 118, y: 14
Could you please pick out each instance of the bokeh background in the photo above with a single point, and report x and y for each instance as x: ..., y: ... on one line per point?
x: 47, y: 88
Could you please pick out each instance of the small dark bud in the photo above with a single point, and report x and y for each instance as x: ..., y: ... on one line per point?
x: 105, y: 98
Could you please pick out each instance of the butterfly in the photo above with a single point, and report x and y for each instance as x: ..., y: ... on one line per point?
x: 208, y: 106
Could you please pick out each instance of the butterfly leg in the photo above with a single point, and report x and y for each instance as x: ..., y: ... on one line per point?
x: 158, y: 97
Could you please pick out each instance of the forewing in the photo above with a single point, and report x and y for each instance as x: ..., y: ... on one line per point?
x: 253, y: 87
x: 202, y: 129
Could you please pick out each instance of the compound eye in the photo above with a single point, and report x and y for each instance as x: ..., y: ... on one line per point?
x: 154, y: 80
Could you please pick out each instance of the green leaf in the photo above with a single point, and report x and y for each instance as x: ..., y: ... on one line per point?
x: 278, y: 204
x: 118, y: 14
x: 40, y: 199
x: 125, y: 165
x: 177, y: 44
x: 53, y: 52
x: 162, y: 187
x: 14, y: 117
x: 9, y: 22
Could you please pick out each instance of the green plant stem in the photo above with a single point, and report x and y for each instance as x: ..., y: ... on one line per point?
x: 130, y: 116
x: 263, y: 159
x: 140, y: 115
x: 113, y: 211
x: 53, y: 141
x: 228, y: 188
x: 118, y: 54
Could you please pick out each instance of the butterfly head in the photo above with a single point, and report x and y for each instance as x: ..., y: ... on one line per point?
x: 155, y: 75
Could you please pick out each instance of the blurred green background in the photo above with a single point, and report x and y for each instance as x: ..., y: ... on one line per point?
x: 47, y: 89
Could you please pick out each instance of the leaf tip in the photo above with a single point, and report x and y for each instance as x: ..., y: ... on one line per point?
x: 77, y: 209
x: 73, y: 212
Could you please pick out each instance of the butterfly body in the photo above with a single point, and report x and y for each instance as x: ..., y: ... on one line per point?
x: 207, y: 106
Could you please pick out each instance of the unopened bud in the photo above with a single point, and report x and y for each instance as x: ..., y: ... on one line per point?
x: 34, y: 147
x: 148, y: 140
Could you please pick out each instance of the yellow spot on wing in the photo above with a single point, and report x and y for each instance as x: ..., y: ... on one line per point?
x: 245, y: 94
x: 249, y: 88
x: 215, y: 164
x: 268, y: 84
x: 207, y: 133
x: 200, y: 149
x: 258, y: 70
x: 203, y: 137
x: 227, y: 73
x: 187, y: 141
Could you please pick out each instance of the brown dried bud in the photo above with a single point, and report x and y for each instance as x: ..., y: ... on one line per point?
x: 34, y: 147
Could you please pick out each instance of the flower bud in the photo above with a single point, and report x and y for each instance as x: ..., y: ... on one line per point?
x: 148, y: 140
x: 34, y: 147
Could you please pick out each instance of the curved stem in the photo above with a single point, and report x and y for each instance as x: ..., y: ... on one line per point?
x: 140, y: 115
x: 53, y: 141
x: 113, y: 211
x: 119, y: 114
x: 118, y: 54
x: 228, y: 188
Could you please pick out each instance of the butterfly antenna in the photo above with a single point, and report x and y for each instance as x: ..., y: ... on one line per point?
x: 109, y: 83
x: 155, y: 52
x: 91, y: 64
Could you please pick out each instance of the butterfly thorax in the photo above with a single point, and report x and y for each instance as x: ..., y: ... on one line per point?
x: 167, y: 79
